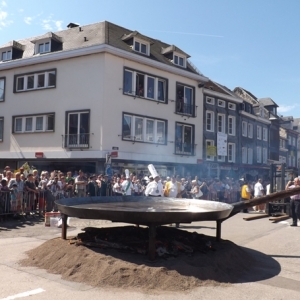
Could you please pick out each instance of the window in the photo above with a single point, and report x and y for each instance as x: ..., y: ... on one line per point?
x: 35, y: 81
x: 258, y: 129
x: 231, y: 125
x: 231, y: 152
x: 77, y: 129
x: 250, y: 156
x: 210, y: 121
x: 44, y: 47
x: 179, y: 60
x: 265, y: 155
x: 210, y: 100
x: 6, y: 55
x: 244, y: 128
x: 221, y: 103
x: 144, y: 85
x: 232, y: 106
x: 2, y: 89
x: 221, y: 158
x: 185, y: 100
x: 265, y: 134
x: 258, y: 154
x: 293, y: 141
x: 282, y: 143
x: 289, y: 140
x: 184, y: 137
x: 244, y: 155
x: 210, y: 151
x: 221, y: 123
x: 250, y: 130
x: 1, y: 129
x: 36, y: 123
x: 141, y: 47
x: 143, y: 129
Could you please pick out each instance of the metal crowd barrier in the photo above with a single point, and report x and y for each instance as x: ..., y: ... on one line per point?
x: 26, y: 203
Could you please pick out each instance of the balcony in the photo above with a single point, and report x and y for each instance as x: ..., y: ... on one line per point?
x: 185, y: 149
x: 185, y: 109
x: 76, y: 141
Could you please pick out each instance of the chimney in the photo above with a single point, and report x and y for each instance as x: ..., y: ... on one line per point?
x: 72, y: 25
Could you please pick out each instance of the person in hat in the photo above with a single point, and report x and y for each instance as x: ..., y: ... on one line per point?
x: 154, y: 188
x: 92, y: 187
x: 127, y: 186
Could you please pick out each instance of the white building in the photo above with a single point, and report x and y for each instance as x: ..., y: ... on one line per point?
x: 69, y: 98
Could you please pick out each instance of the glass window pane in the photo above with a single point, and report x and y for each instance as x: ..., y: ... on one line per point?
x: 176, y: 59
x: 4, y: 56
x: 150, y: 131
x: 1, y: 89
x: 28, y: 124
x: 41, y: 48
x: 1, y: 129
x: 137, y: 46
x: 160, y: 132
x: 8, y: 55
x: 39, y: 123
x: 179, y: 137
x: 128, y: 82
x: 161, y: 90
x: 181, y: 61
x: 30, y: 82
x: 50, y: 122
x: 140, y: 85
x: 18, y: 124
x: 187, y: 139
x: 47, y: 47
x: 150, y: 91
x: 20, y: 83
x: 126, y: 131
x: 41, y: 80
x: 144, y: 48
x: 138, y: 129
x: 52, y: 78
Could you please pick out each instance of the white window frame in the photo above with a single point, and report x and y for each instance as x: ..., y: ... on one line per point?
x: 141, y: 43
x: 231, y: 152
x: 258, y: 154
x: 177, y: 58
x: 133, y: 92
x: 6, y: 55
x: 40, y: 46
x: 221, y: 123
x: 231, y: 106
x: 231, y: 125
x: 244, y: 155
x: 250, y: 156
x: 221, y: 103
x: 212, y: 123
x: 221, y: 158
x: 26, y: 77
x: 244, y: 128
x: 209, y: 143
x: 33, y: 119
x: 265, y: 134
x: 258, y: 132
x: 144, y: 136
x: 250, y: 130
x: 210, y: 100
x: 265, y: 155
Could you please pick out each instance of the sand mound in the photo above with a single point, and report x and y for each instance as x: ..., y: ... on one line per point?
x: 223, y: 264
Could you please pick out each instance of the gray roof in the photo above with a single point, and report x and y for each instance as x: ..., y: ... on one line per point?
x: 267, y: 102
x: 102, y: 33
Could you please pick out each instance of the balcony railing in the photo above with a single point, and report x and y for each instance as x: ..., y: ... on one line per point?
x: 185, y: 109
x: 76, y: 141
x: 185, y: 149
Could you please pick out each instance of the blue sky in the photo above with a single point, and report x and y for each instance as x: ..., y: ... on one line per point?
x: 253, y: 44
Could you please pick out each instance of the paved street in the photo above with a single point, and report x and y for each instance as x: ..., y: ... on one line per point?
x: 276, y: 245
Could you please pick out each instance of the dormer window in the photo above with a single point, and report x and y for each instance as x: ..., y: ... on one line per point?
x: 141, y: 47
x: 6, y: 55
x: 44, y: 47
x: 179, y: 60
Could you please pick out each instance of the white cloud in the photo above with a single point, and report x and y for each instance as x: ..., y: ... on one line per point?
x: 3, y: 3
x: 58, y: 25
x: 286, y: 108
x: 28, y: 20
x: 4, y: 21
x: 48, y: 24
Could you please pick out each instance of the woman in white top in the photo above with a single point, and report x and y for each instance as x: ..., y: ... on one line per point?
x: 195, y: 191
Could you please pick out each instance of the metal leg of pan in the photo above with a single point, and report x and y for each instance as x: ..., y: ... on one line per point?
x: 64, y: 226
x: 218, y: 231
x: 152, y: 235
